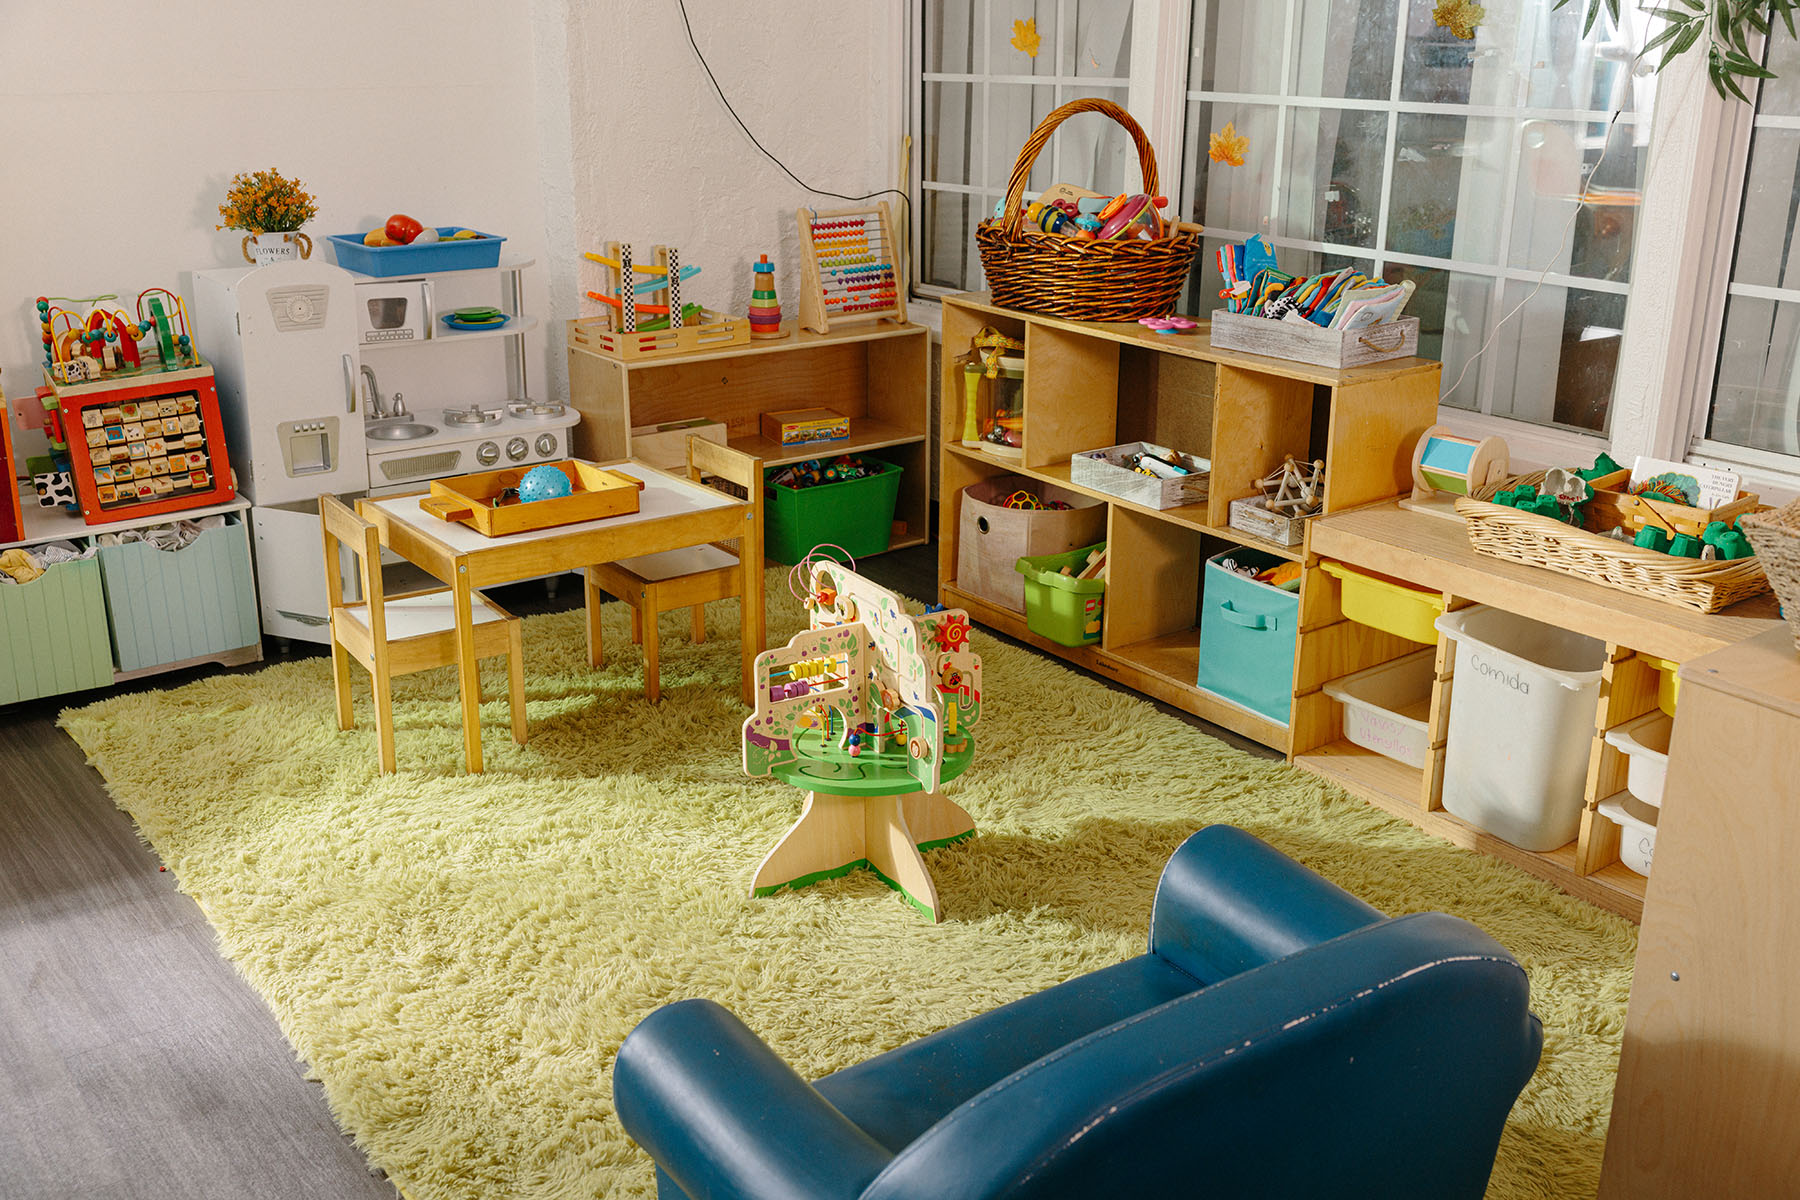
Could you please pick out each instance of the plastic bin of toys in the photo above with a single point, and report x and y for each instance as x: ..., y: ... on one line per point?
x: 1059, y: 603
x: 846, y: 502
x: 1005, y: 518
x: 449, y: 253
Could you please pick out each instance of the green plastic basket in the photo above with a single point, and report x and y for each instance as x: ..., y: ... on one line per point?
x: 856, y: 514
x: 1061, y: 607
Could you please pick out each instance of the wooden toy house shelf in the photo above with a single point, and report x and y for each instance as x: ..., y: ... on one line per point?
x: 1093, y: 384
x: 874, y: 374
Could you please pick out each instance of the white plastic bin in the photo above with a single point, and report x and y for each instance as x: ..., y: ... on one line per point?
x: 1637, y: 839
x: 1645, y: 743
x: 1385, y: 706
x: 1521, y: 725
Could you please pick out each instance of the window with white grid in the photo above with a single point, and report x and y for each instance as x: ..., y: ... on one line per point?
x: 1376, y: 138
x: 986, y: 85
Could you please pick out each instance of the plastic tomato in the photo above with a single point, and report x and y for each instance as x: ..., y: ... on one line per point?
x: 402, y: 229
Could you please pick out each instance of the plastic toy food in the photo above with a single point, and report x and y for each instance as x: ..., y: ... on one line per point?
x: 402, y: 229
x: 376, y: 237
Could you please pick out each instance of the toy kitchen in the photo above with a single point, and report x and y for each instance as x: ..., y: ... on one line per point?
x: 335, y: 382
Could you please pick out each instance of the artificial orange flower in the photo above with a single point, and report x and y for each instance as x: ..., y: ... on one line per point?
x: 1227, y: 146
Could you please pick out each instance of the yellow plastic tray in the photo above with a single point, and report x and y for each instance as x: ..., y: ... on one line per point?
x: 1393, y: 607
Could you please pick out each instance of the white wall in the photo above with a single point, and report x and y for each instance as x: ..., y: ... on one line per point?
x: 559, y: 123
x: 658, y: 159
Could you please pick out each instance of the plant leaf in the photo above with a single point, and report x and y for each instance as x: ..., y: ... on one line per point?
x: 1612, y: 10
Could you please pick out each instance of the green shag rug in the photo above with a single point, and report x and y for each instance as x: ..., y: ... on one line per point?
x: 457, y: 958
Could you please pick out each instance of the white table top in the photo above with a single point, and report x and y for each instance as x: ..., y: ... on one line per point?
x: 664, y: 495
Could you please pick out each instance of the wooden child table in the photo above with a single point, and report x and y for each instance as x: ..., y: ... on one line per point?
x: 672, y: 513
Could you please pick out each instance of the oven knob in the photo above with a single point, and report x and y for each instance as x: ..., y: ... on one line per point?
x: 517, y: 448
x: 487, y: 454
x: 546, y: 444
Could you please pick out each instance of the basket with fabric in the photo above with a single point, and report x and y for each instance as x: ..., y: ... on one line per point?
x: 1083, y: 280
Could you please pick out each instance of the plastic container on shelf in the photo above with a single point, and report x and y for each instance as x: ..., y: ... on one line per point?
x: 854, y: 514
x: 1637, y: 839
x: 446, y: 254
x: 1061, y: 607
x: 1387, y: 604
x: 1385, y: 706
x: 1668, y: 684
x: 1521, y: 725
x: 1645, y: 744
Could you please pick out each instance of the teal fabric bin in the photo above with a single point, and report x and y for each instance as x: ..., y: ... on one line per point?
x: 1247, y: 637
x: 172, y: 605
x: 53, y: 633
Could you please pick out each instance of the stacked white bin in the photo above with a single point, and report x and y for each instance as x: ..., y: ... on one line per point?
x: 1522, y: 710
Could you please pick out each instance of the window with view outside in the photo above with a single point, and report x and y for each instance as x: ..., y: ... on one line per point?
x: 986, y: 85
x: 1379, y: 140
x: 1756, y: 397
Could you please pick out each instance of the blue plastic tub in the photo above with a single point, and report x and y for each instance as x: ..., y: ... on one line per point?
x: 469, y: 254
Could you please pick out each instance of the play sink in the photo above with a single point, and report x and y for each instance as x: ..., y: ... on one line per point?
x: 399, y: 431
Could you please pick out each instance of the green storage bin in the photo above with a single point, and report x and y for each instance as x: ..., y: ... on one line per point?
x: 169, y: 606
x: 1061, y: 607
x: 53, y: 633
x: 1247, y: 636
x: 855, y: 514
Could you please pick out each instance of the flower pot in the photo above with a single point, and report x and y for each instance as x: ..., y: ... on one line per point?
x: 264, y: 248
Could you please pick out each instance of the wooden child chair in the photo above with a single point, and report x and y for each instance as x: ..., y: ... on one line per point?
x: 656, y: 583
x: 402, y: 634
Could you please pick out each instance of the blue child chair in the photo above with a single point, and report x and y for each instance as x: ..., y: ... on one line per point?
x: 1280, y: 1038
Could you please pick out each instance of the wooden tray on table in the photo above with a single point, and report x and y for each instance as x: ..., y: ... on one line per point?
x: 488, y: 501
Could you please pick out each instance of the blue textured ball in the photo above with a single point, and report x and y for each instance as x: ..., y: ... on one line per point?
x: 543, y: 483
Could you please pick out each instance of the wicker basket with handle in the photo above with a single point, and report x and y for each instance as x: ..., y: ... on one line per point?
x: 1776, y: 536
x: 1083, y: 280
x: 1546, y: 542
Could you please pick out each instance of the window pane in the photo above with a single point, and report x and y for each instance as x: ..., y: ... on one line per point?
x: 1757, y: 401
x: 1091, y: 150
x: 1439, y: 66
x: 1345, y: 48
x: 1014, y: 110
x: 948, y: 258
x: 1552, y: 166
x: 1555, y: 360
x: 1452, y: 308
x: 1101, y: 44
x: 1006, y: 59
x: 1333, y: 177
x: 1447, y: 193
x: 1232, y: 198
x: 1781, y: 95
x: 949, y: 147
x: 1771, y: 196
x: 951, y: 35
x: 1238, y: 46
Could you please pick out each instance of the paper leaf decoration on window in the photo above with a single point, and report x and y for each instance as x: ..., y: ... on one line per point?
x: 1025, y: 36
x: 1459, y: 16
x: 1227, y: 146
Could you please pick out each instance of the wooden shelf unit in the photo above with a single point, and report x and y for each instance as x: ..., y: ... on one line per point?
x: 875, y: 374
x: 1434, y: 554
x: 1092, y: 384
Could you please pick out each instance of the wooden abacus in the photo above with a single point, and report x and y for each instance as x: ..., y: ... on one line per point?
x: 849, y: 268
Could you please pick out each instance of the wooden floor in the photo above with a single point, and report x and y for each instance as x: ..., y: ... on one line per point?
x: 134, y: 1062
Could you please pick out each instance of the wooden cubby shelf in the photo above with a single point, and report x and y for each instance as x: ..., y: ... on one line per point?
x: 1093, y: 384
x: 877, y: 374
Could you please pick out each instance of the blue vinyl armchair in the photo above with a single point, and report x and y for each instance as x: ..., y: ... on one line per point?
x: 1280, y: 1038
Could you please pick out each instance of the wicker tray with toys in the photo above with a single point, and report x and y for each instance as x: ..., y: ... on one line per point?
x: 1588, y: 524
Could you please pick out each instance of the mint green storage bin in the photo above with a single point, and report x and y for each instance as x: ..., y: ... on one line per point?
x: 1247, y: 637
x: 169, y: 606
x: 53, y: 633
x: 1061, y: 607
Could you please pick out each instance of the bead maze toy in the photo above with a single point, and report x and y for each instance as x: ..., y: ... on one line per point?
x: 658, y: 324
x: 136, y: 429
x: 871, y: 711
x: 849, y: 268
